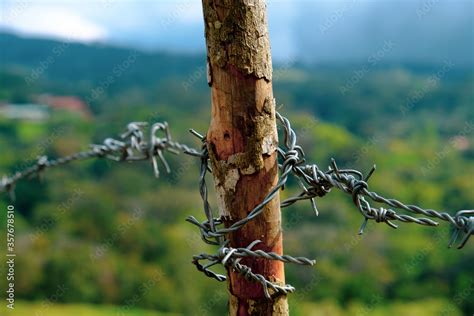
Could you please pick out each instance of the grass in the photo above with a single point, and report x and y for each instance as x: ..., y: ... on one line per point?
x: 23, y: 308
x: 426, y: 307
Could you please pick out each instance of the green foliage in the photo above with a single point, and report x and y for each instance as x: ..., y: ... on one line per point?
x: 123, y: 241
x: 46, y: 308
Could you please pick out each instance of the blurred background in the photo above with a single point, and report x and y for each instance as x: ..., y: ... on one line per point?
x: 387, y: 82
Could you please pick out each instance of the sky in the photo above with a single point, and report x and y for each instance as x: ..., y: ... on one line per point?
x: 314, y: 31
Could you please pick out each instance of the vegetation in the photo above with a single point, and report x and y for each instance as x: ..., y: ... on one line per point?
x: 112, y: 234
x: 51, y: 309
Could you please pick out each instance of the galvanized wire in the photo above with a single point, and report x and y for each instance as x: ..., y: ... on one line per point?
x: 228, y: 256
x: 132, y: 146
x: 315, y: 183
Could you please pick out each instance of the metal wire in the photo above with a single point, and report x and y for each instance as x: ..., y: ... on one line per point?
x: 315, y: 183
x: 132, y: 146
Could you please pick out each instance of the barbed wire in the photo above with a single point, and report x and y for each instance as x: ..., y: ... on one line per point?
x: 319, y: 183
x: 315, y: 183
x: 230, y: 257
x: 132, y: 146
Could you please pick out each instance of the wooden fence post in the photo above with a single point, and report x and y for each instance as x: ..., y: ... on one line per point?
x: 242, y: 141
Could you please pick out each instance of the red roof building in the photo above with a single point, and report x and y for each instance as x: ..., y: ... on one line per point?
x: 70, y: 103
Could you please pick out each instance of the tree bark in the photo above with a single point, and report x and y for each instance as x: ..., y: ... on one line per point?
x: 242, y: 141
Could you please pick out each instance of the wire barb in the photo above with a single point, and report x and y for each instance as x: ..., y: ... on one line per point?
x: 230, y: 258
x: 465, y: 225
x: 314, y: 183
x: 132, y: 146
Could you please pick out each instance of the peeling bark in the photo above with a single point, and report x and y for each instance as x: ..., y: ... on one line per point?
x: 237, y: 34
x: 242, y: 141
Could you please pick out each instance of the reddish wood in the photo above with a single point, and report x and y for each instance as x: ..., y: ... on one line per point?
x: 242, y: 139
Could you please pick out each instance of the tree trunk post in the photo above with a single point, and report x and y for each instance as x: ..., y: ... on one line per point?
x: 242, y: 141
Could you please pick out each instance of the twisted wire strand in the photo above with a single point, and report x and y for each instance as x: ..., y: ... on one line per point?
x: 315, y: 183
x: 230, y: 258
x: 132, y: 147
x: 291, y: 157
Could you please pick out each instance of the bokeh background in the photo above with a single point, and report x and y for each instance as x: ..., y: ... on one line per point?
x: 386, y: 82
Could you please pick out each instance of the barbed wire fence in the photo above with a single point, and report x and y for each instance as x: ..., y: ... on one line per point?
x: 134, y: 146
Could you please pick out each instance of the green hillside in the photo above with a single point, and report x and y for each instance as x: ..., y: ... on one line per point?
x: 113, y: 235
